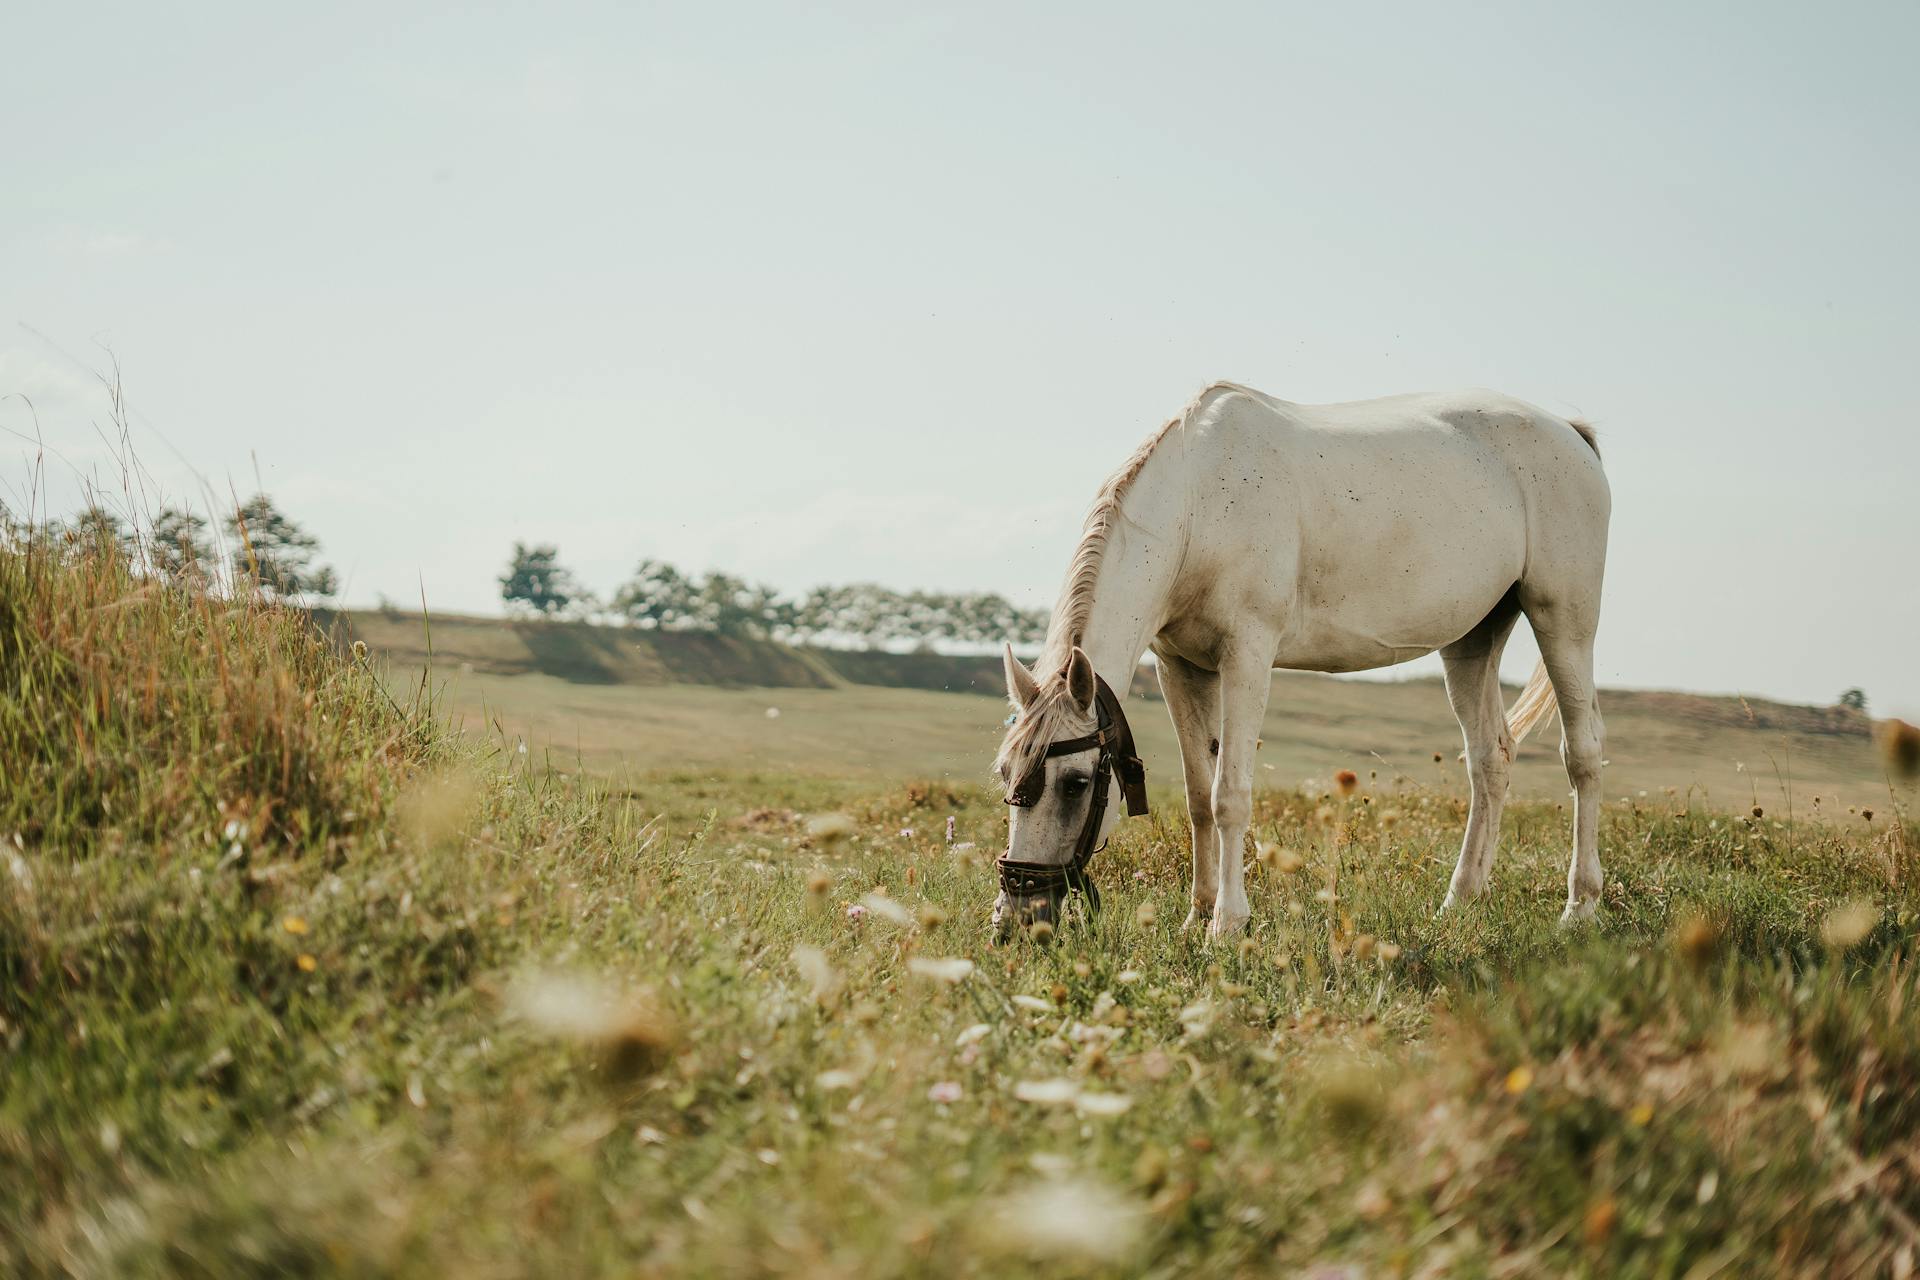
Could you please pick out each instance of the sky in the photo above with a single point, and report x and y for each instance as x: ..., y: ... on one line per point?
x: 882, y: 292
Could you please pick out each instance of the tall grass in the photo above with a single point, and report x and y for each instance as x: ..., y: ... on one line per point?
x: 293, y: 980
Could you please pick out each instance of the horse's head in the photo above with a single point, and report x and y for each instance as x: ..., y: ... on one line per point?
x: 1068, y: 741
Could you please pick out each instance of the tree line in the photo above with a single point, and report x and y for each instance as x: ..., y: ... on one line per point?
x: 659, y: 597
x: 266, y: 549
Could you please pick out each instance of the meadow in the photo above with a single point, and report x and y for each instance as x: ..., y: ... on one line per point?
x: 298, y: 977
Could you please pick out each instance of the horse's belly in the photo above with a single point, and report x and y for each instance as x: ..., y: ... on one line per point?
x: 1373, y: 602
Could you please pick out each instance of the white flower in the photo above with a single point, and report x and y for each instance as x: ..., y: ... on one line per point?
x: 1033, y: 1003
x: 837, y: 1078
x: 887, y: 909
x: 1047, y: 1093
x: 944, y: 1091
x: 1065, y: 1218
x: 972, y: 1035
x: 1197, y: 1019
x: 816, y: 969
x: 941, y: 969
x: 1102, y: 1104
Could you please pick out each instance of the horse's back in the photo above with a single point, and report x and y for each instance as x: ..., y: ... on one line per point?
x: 1372, y: 530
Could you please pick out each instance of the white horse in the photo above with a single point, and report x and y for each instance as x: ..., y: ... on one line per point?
x: 1250, y: 533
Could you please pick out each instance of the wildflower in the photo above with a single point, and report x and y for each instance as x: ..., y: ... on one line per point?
x: 628, y: 1027
x: 972, y: 1035
x: 1145, y: 914
x: 932, y: 917
x: 1696, y: 939
x: 1102, y: 1104
x: 1040, y: 931
x: 1758, y: 812
x: 830, y: 829
x: 306, y: 962
x: 945, y: 1091
x: 773, y: 713
x: 1346, y: 782
x: 1519, y: 1080
x: 816, y: 970
x: 1047, y: 1093
x: 1848, y: 925
x: 294, y: 925
x: 856, y: 912
x: 949, y: 828
x: 1127, y: 976
x: 1032, y: 1004
x: 836, y: 1079
x: 1601, y: 1216
x: 818, y: 884
x: 359, y: 650
x: 1641, y: 1116
x: 1058, y: 1218
x: 1900, y: 747
x: 948, y: 970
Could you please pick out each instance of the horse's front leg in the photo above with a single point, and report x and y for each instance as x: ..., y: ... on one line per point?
x: 1245, y: 683
x: 1193, y: 704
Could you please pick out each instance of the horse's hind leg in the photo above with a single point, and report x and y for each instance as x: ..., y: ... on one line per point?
x: 1193, y: 703
x: 1569, y: 657
x: 1473, y: 687
x: 1564, y: 621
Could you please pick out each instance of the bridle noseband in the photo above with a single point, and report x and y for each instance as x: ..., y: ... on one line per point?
x: 1024, y: 881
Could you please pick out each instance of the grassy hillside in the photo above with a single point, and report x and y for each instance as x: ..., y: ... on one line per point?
x: 295, y: 980
x: 896, y: 716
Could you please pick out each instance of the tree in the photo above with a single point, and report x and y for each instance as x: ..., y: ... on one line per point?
x: 1854, y: 700
x: 275, y: 553
x: 536, y: 580
x: 177, y: 546
x: 657, y: 598
x: 97, y: 529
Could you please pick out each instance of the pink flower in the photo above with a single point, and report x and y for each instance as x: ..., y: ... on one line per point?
x: 949, y: 828
x: 945, y: 1091
x: 906, y: 833
x: 856, y: 912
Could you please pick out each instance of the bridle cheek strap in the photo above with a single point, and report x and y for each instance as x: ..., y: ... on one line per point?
x: 1113, y: 738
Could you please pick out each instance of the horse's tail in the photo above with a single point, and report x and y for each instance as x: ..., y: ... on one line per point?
x: 1535, y: 704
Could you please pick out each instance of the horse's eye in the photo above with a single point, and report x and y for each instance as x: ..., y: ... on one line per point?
x: 1074, y: 783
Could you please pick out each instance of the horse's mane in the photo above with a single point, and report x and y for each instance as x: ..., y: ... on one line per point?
x: 1052, y: 713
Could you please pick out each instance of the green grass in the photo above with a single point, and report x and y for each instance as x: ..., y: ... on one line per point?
x: 294, y: 979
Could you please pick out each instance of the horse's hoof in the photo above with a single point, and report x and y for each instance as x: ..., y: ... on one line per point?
x: 1227, y: 924
x: 1578, y: 913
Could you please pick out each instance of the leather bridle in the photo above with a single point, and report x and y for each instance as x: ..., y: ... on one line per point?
x: 1024, y: 882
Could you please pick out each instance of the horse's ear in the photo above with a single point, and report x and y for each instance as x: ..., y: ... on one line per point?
x: 1080, y: 679
x: 1021, y: 688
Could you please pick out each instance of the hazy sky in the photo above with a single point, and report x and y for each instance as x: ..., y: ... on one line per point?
x: 878, y: 293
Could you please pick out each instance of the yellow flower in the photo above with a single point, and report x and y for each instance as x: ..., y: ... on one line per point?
x: 1641, y: 1116
x: 294, y: 925
x: 1519, y: 1080
x: 307, y: 963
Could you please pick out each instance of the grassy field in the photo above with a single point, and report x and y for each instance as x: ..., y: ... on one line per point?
x: 296, y: 979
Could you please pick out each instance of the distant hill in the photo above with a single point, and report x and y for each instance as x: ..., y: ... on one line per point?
x: 587, y: 653
x: 637, y: 702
